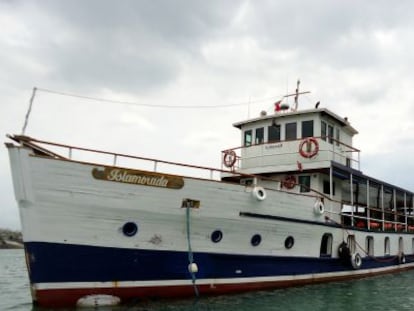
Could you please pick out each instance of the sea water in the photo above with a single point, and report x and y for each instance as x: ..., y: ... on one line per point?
x: 388, y: 292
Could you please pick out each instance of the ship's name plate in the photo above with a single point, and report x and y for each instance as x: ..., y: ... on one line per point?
x: 139, y: 177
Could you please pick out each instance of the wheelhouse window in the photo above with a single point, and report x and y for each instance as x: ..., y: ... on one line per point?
x: 338, y: 136
x: 330, y: 133
x: 307, y: 128
x: 305, y: 183
x: 273, y: 133
x: 248, y: 138
x: 259, y: 136
x: 291, y: 133
x: 323, y: 130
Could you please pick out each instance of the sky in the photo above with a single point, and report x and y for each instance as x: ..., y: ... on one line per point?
x: 189, y: 69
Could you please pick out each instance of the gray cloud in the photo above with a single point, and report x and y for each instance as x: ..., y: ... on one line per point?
x: 355, y: 56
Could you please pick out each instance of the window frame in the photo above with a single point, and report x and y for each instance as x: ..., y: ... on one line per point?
x: 248, y: 133
x: 274, y: 131
x: 309, y: 126
x: 303, y: 184
x: 259, y: 133
x: 289, y: 130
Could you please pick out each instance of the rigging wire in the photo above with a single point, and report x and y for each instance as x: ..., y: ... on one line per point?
x: 99, y: 99
x: 155, y: 105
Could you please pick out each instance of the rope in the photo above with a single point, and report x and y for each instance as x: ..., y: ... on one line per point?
x: 190, y: 252
x: 359, y: 246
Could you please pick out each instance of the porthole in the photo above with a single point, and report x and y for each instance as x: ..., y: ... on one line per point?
x: 216, y: 236
x: 130, y: 228
x: 256, y: 239
x: 289, y: 242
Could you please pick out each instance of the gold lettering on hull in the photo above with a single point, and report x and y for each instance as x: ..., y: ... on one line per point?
x: 138, y: 177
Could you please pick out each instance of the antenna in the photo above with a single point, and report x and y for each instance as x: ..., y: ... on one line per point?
x: 296, y: 94
x: 26, y: 119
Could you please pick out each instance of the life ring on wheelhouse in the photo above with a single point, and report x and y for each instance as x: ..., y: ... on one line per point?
x: 259, y: 193
x: 311, y: 147
x: 229, y: 158
x: 289, y: 182
x: 356, y: 261
x: 319, y: 207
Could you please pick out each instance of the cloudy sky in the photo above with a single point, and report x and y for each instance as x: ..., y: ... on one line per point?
x: 236, y: 57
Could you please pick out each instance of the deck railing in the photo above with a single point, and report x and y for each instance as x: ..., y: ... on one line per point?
x: 277, y: 153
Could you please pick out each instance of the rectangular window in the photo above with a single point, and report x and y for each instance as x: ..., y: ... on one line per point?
x: 259, y: 139
x: 338, y: 138
x: 370, y: 245
x: 307, y: 128
x: 291, y: 133
x: 323, y: 130
x: 327, y: 188
x: 305, y: 183
x: 248, y: 138
x: 387, y: 246
x: 330, y: 133
x: 326, y: 245
x: 273, y: 133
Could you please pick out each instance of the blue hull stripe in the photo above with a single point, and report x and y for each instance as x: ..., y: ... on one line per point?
x: 50, y: 262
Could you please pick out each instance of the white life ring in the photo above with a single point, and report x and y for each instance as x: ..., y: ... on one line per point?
x: 318, y: 208
x: 356, y: 261
x: 259, y: 193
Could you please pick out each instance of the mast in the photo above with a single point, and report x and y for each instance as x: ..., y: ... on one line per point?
x: 296, y: 94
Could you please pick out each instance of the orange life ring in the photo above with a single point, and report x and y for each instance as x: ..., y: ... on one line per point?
x: 229, y: 158
x: 309, y: 151
x: 289, y: 182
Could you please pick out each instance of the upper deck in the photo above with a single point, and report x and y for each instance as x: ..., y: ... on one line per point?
x: 294, y: 140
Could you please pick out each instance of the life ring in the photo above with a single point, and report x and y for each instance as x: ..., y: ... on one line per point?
x: 356, y: 261
x: 259, y: 193
x: 289, y: 182
x: 309, y: 151
x: 401, y: 258
x: 318, y: 208
x: 229, y: 158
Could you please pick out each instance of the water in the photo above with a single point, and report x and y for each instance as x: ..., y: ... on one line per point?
x: 389, y: 292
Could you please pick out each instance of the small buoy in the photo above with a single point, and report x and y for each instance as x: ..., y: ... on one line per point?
x: 192, y: 267
x: 318, y: 208
x: 356, y: 261
x: 259, y: 193
x: 98, y: 301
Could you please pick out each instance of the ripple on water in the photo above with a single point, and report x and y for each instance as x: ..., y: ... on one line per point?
x: 389, y: 292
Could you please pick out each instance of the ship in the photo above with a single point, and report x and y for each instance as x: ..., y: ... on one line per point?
x: 289, y: 206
